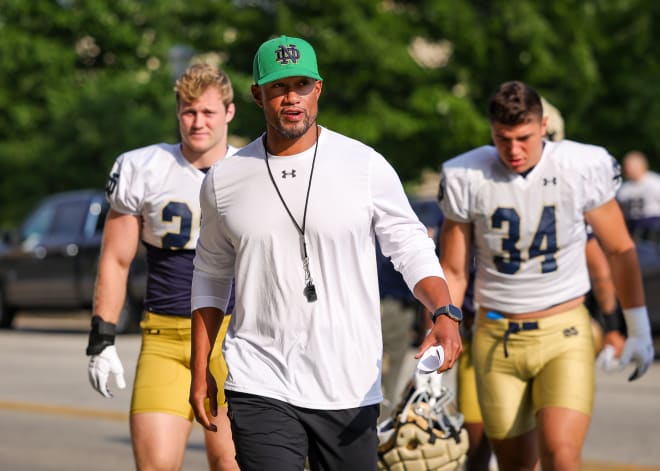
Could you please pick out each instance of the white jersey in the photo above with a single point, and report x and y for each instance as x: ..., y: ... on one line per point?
x: 325, y: 354
x: 158, y: 183
x: 160, y: 186
x: 529, y: 231
x: 640, y: 199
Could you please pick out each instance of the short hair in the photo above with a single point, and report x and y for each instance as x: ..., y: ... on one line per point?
x: 198, y: 78
x: 515, y: 103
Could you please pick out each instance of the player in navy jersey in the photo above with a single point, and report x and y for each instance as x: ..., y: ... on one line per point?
x: 154, y: 198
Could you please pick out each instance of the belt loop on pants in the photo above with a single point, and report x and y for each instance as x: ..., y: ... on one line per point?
x: 514, y: 328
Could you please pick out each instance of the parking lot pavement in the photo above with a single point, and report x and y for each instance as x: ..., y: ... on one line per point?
x: 51, y: 417
x: 53, y: 420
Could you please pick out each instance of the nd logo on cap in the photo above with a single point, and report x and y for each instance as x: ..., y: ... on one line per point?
x: 284, y: 57
x: 286, y: 54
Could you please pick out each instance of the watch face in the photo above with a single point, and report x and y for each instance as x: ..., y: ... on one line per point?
x: 455, y: 313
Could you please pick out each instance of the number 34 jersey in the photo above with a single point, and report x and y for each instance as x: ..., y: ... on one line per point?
x: 529, y: 231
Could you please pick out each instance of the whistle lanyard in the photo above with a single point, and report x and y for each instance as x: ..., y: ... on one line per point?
x: 310, y: 290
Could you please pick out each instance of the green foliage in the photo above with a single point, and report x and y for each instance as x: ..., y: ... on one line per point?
x: 83, y: 80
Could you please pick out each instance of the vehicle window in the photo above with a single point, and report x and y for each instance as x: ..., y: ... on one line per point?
x: 97, y: 212
x: 38, y: 223
x: 69, y: 218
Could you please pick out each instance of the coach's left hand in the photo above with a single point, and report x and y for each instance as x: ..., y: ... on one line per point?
x: 444, y: 332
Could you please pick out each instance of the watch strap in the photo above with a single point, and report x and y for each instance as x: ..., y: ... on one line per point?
x: 449, y: 310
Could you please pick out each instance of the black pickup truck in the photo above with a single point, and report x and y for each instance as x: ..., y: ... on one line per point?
x: 49, y: 264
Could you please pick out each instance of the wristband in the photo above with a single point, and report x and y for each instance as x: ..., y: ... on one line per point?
x: 611, y: 322
x: 101, y: 335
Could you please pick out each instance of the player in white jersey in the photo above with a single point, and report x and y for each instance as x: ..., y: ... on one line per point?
x: 524, y: 203
x: 154, y: 197
x: 639, y: 196
x: 294, y: 217
x: 601, y: 301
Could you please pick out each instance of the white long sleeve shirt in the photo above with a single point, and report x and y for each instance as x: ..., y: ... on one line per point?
x: 325, y: 354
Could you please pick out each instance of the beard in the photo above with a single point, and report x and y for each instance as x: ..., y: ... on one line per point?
x: 296, y: 130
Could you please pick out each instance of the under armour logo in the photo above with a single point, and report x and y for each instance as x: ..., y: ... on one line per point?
x: 291, y: 174
x: 547, y: 181
x: 285, y: 54
x: 570, y: 331
x: 111, y: 184
x: 617, y: 172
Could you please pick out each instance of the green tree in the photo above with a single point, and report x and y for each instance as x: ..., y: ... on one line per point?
x: 83, y: 80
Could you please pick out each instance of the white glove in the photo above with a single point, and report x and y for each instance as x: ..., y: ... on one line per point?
x: 607, y: 361
x: 100, y: 367
x: 639, y: 344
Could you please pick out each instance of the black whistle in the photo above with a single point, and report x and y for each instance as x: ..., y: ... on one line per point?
x: 310, y: 293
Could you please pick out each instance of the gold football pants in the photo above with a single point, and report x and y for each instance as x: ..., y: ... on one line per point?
x: 162, y: 377
x: 549, y: 362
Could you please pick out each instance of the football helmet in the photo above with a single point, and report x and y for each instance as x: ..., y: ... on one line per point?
x: 555, y: 125
x: 425, y: 432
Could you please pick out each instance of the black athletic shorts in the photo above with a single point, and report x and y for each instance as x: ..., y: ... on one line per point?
x: 275, y: 436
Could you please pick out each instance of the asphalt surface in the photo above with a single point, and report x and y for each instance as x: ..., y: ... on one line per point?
x: 51, y: 419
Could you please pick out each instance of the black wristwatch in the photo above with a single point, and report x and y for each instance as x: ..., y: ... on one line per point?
x: 450, y: 311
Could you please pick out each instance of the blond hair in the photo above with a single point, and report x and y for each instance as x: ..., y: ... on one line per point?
x: 197, y: 79
x: 554, y: 129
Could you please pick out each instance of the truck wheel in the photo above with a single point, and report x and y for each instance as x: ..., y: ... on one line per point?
x: 7, y: 313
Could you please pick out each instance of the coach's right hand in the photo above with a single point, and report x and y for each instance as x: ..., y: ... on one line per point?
x: 104, y: 359
x: 203, y: 388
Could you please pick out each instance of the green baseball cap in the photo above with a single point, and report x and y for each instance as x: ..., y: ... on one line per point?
x: 284, y: 57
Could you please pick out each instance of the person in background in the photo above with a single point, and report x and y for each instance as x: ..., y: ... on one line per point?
x: 294, y: 217
x: 639, y: 197
x: 154, y: 197
x: 531, y: 278
x: 607, y: 322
